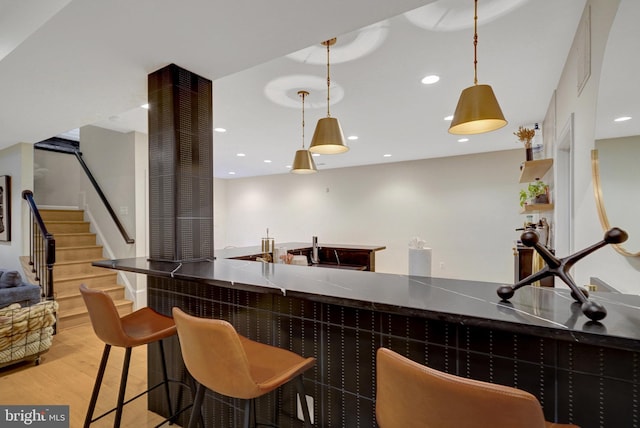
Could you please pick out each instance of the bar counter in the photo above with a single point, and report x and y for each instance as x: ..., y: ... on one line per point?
x: 582, y: 372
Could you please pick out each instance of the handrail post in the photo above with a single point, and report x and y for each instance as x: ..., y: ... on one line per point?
x: 31, y: 239
x: 50, y: 260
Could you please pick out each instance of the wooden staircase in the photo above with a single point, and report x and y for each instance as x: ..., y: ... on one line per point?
x: 76, y: 249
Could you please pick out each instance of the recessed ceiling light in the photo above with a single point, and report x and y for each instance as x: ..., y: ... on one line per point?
x: 449, y: 117
x: 267, y: 161
x: 315, y: 155
x: 622, y: 119
x: 430, y: 79
x: 220, y: 129
x: 145, y: 106
x: 387, y: 155
x: 232, y: 173
x: 288, y: 166
x: 352, y: 137
x: 463, y: 140
x: 240, y: 155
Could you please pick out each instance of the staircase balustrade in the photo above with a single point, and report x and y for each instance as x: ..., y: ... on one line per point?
x: 42, y: 248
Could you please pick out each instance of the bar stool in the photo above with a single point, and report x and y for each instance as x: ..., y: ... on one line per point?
x: 409, y: 394
x: 225, y: 362
x: 141, y: 327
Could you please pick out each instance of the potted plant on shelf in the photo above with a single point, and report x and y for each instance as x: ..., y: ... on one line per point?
x: 537, y: 193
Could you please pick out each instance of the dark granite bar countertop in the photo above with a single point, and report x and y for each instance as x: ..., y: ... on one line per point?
x: 540, y: 311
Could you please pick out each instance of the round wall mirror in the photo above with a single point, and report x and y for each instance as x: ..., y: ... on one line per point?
x: 616, y: 176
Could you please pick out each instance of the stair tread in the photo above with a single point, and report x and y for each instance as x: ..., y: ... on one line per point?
x: 75, y: 293
x: 78, y: 247
x: 70, y: 262
x: 61, y: 278
x: 75, y: 312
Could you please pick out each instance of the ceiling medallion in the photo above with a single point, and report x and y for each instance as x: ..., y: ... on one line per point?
x: 352, y: 46
x: 453, y: 15
x: 284, y: 91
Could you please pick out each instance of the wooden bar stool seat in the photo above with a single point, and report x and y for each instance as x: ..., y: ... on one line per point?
x: 141, y: 327
x: 409, y: 395
x: 227, y: 363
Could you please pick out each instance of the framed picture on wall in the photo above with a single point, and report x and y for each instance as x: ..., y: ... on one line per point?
x: 5, y: 208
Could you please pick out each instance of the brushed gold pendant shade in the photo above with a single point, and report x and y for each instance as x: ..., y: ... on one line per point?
x: 328, y: 138
x: 303, y: 161
x: 478, y: 110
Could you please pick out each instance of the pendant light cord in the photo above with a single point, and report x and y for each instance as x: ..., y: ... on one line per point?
x: 475, y: 44
x: 302, y: 95
x: 329, y: 78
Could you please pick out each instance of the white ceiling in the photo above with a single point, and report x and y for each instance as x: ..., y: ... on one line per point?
x: 87, y: 61
x: 619, y: 91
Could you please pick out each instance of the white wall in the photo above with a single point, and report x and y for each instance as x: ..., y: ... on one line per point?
x: 111, y: 157
x: 56, y: 179
x: 141, y: 186
x: 465, y: 207
x: 621, y: 272
x: 219, y: 213
x: 620, y: 182
x: 17, y: 162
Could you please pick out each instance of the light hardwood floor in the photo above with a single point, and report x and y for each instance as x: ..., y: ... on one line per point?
x: 66, y: 375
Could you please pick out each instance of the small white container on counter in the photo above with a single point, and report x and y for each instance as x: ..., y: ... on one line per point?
x: 300, y: 260
x: 420, y: 261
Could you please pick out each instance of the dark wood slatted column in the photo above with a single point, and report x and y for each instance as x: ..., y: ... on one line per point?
x: 180, y: 165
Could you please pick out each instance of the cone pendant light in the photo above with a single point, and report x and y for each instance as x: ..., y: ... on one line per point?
x: 478, y: 110
x: 303, y: 162
x: 328, y: 138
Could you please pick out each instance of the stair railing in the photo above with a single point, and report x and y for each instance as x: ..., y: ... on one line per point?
x: 103, y: 198
x: 42, y: 248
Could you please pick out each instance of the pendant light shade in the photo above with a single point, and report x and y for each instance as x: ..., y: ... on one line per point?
x: 303, y: 161
x: 478, y: 110
x: 328, y: 138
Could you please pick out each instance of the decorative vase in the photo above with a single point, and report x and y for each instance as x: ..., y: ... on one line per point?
x: 529, y: 153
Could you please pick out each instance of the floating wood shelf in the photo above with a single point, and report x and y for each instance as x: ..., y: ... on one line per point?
x: 536, y: 208
x: 535, y: 169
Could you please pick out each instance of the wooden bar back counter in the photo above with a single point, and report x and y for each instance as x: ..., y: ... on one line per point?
x: 582, y: 372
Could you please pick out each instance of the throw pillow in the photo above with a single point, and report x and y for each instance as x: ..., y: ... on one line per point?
x: 10, y: 278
